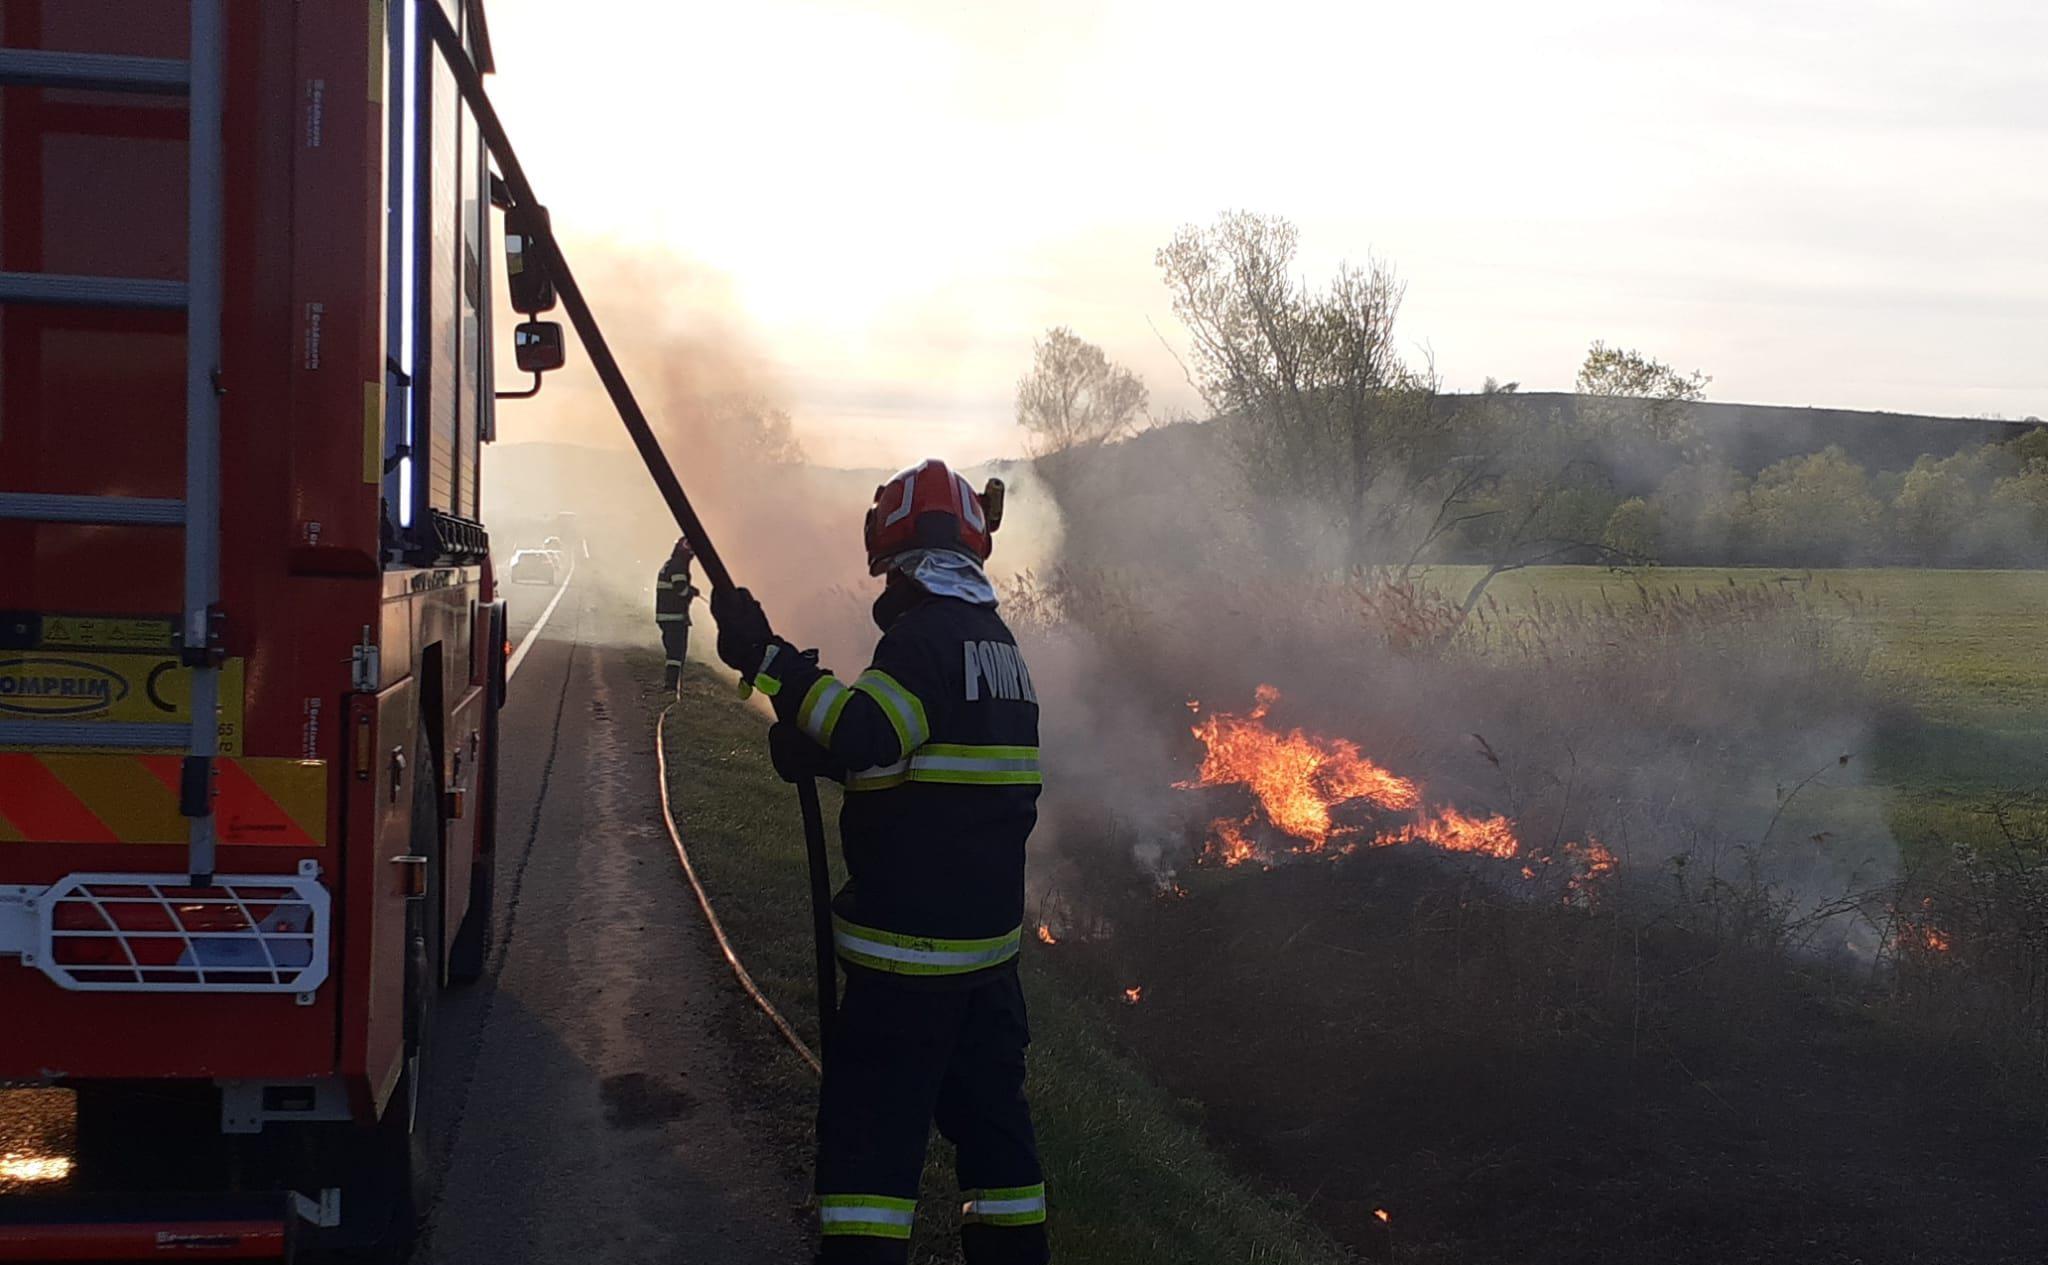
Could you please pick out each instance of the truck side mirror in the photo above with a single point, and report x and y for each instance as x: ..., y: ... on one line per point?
x: 527, y: 283
x: 537, y: 346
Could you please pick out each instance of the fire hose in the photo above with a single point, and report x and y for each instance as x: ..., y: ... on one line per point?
x: 732, y: 957
x: 556, y: 266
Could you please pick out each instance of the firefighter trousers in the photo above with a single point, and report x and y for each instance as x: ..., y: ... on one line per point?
x: 675, y: 643
x: 902, y: 1058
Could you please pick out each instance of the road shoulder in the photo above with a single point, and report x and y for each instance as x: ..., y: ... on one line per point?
x: 601, y: 1118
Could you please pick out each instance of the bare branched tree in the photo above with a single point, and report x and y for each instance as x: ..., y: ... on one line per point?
x: 752, y: 429
x: 1639, y: 397
x: 1075, y: 396
x: 1323, y: 408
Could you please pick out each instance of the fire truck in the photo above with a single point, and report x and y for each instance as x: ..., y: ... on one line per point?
x: 251, y: 657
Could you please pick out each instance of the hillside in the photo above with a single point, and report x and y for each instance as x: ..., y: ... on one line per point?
x: 1146, y: 483
x: 1752, y: 436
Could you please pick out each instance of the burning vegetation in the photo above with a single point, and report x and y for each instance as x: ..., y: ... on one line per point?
x: 1766, y: 1013
x: 1323, y: 796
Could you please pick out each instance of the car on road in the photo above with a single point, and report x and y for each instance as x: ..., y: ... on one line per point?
x: 536, y: 566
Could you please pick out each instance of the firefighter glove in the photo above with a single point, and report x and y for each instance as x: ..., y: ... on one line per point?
x: 796, y: 757
x: 743, y: 632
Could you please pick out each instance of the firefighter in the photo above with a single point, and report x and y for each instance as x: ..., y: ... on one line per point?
x: 937, y: 745
x: 673, y: 593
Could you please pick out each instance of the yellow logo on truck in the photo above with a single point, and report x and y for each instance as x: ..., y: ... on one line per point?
x: 44, y: 685
x: 97, y: 686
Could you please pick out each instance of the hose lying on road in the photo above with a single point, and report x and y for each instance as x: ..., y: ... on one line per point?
x: 739, y: 970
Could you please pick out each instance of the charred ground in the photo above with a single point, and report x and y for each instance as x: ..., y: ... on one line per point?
x: 1514, y: 1081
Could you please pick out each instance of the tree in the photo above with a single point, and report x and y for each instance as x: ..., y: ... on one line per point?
x: 1640, y: 406
x: 2031, y: 447
x: 1631, y: 530
x: 1074, y: 396
x: 1323, y: 411
x: 2018, y: 515
x: 751, y: 429
x: 1816, y: 509
x: 1697, y: 506
x: 1937, y: 508
x: 1621, y: 371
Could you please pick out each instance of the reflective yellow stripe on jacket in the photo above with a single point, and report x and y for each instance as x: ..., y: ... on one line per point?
x: 764, y: 678
x: 919, y: 955
x: 819, y: 714
x: 903, y: 708
x: 955, y: 763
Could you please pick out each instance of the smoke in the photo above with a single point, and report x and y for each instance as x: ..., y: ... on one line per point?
x: 788, y: 531
x: 1681, y: 729
x: 1145, y: 575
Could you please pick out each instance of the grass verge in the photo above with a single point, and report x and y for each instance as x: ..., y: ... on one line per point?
x: 1131, y: 1180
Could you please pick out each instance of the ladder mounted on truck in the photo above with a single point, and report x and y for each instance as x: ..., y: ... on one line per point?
x: 199, y: 79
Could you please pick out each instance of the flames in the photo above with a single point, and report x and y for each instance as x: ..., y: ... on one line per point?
x: 1133, y: 995
x: 1594, y: 861
x: 1453, y: 831
x: 1917, y: 930
x: 1299, y: 781
x: 1045, y: 934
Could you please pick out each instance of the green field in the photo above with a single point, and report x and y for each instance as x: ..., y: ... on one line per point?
x: 1965, y: 643
x: 1959, y: 658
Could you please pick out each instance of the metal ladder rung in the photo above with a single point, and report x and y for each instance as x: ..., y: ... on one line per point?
x: 201, y: 81
x: 62, y: 290
x: 130, y: 511
x: 95, y: 733
x: 97, y: 72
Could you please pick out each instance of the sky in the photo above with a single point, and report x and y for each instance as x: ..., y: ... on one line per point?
x: 1838, y: 203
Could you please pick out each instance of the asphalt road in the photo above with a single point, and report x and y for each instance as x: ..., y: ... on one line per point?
x: 582, y: 1095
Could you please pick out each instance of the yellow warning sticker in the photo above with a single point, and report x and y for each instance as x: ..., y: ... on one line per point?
x: 62, y: 684
x: 107, y: 632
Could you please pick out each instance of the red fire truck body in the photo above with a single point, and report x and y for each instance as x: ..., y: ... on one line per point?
x: 253, y: 932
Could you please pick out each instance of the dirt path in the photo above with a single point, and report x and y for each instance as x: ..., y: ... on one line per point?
x: 585, y: 1097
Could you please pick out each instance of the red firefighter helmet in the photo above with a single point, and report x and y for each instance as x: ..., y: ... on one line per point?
x: 930, y: 507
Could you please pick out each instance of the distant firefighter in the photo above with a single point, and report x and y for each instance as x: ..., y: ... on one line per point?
x: 673, y: 593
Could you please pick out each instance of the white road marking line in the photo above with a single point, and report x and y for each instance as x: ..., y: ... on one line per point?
x: 533, y: 633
